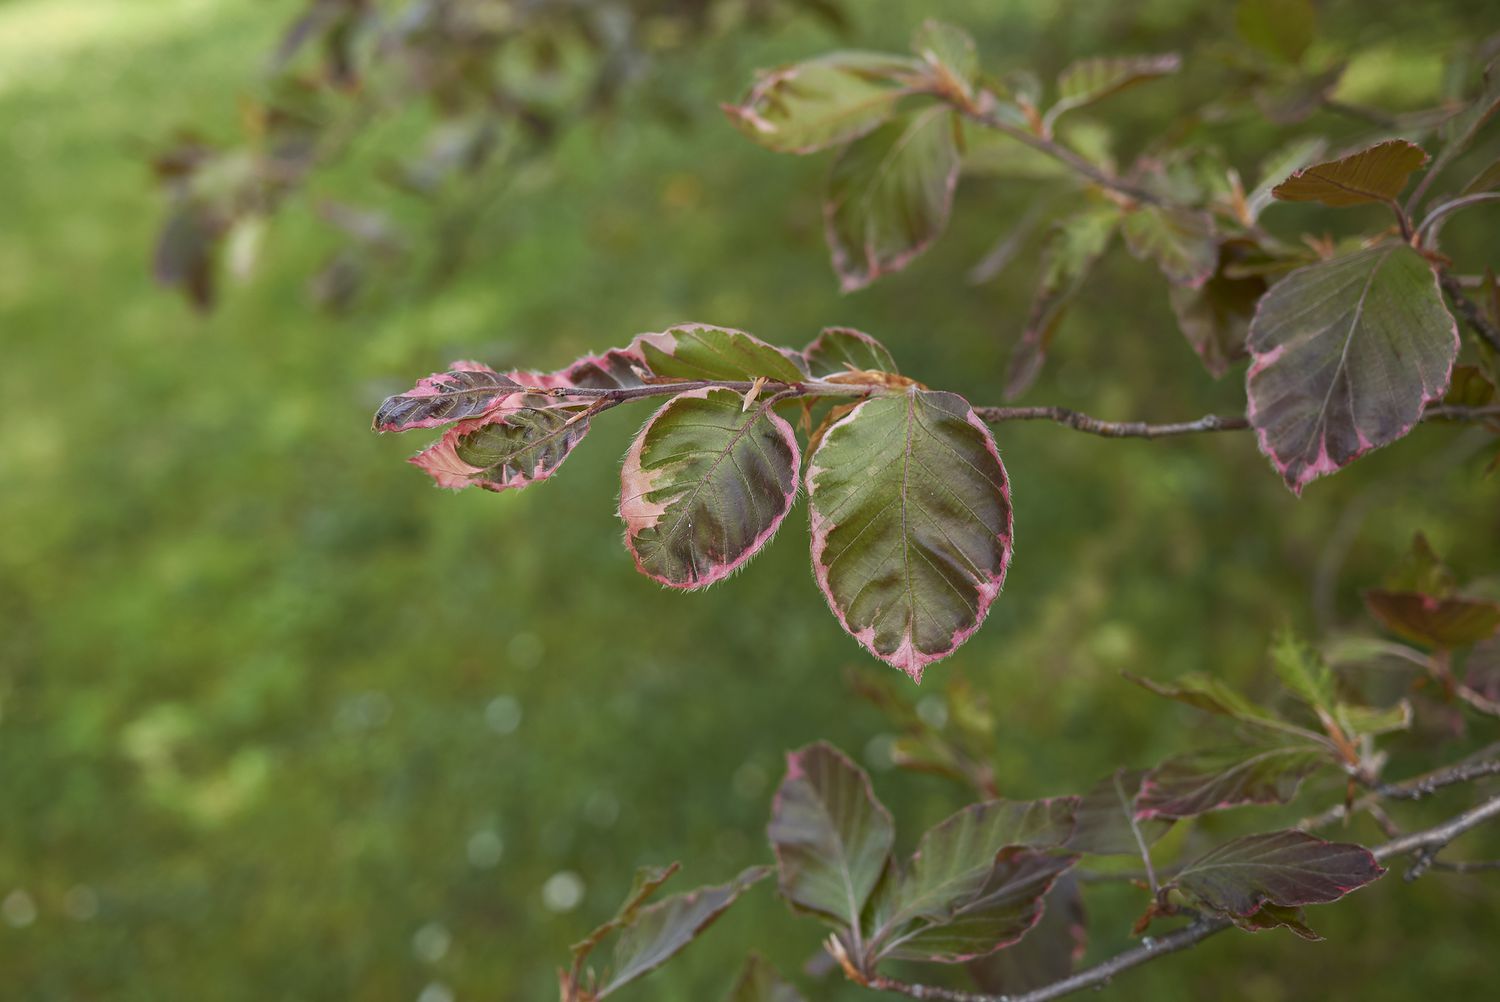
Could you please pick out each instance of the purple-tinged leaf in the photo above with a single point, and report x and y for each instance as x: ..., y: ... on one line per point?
x: 1179, y: 241
x: 1376, y: 174
x: 831, y: 837
x: 1090, y: 80
x: 827, y: 101
x: 911, y: 524
x: 1199, y: 782
x: 617, y: 368
x: 1347, y: 353
x: 1103, y: 818
x: 1284, y: 868
x: 648, y: 880
x: 1444, y: 623
x: 955, y: 859
x: 704, y: 486
x: 187, y: 254
x: 521, y: 442
x: 999, y: 912
x: 1048, y: 953
x: 1073, y: 248
x: 1269, y: 916
x: 658, y: 932
x: 844, y: 349
x: 889, y: 195
x: 1282, y: 29
x: 950, y: 53
x: 759, y: 982
x: 703, y: 351
x: 466, y: 390
x: 1275, y: 168
x: 1215, y: 317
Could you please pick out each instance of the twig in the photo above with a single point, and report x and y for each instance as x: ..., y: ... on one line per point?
x: 1469, y: 310
x: 1427, y: 842
x: 1437, y: 215
x: 1425, y: 786
x: 1140, y: 841
x: 1468, y: 866
x: 1061, y: 154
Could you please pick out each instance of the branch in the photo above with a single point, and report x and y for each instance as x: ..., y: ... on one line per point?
x: 1469, y: 310
x: 1424, y: 843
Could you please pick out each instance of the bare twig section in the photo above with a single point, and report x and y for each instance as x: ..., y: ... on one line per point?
x: 1469, y: 310
x: 1425, y: 786
x: 1468, y: 866
x: 1426, y: 844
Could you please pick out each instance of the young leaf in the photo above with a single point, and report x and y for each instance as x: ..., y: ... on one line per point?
x: 704, y: 486
x: 1204, y: 692
x: 1180, y: 241
x: 1304, y: 672
x: 1048, y: 953
x: 1375, y: 174
x: 832, y: 838
x: 1102, y: 821
x: 658, y: 932
x: 1073, y: 249
x: 827, y: 101
x: 1284, y: 868
x: 911, y: 524
x: 1282, y: 29
x: 999, y: 912
x: 1445, y: 623
x: 951, y: 53
x: 956, y: 857
x: 1275, y: 168
x: 1198, y: 782
x: 518, y: 444
x: 759, y: 982
x: 1420, y: 569
x: 1371, y: 720
x: 1090, y: 80
x: 1347, y: 352
x: 466, y: 390
x: 703, y: 351
x: 648, y: 880
x: 889, y: 195
x: 1269, y: 916
x: 843, y: 349
x: 1215, y: 317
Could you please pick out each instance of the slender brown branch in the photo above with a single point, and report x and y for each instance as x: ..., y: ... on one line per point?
x: 1061, y: 154
x: 1424, y: 843
x: 1469, y: 310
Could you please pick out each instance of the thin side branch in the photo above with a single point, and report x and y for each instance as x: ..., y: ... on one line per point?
x: 1469, y: 310
x: 1425, y: 844
x: 1061, y: 154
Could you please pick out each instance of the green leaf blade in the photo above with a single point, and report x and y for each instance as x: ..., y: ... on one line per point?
x: 703, y: 351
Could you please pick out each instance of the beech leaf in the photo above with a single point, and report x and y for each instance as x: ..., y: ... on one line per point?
x: 951, y: 53
x: 1006, y: 904
x: 703, y: 351
x: 827, y: 101
x: 1275, y: 168
x: 956, y: 857
x: 658, y: 932
x: 522, y: 442
x: 1180, y: 242
x: 831, y: 837
x: 1444, y: 623
x: 1073, y: 248
x: 1048, y: 953
x: 1283, y: 868
x: 1103, y: 818
x: 466, y: 390
x: 648, y: 880
x: 1090, y: 80
x: 1199, y: 782
x: 843, y: 349
x: 889, y: 195
x: 1215, y: 316
x: 759, y: 982
x: 1347, y: 353
x: 1375, y: 174
x: 911, y: 524
x: 1269, y: 916
x: 704, y: 486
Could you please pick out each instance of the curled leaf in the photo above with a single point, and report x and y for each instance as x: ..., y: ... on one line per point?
x: 516, y: 445
x: 1090, y: 80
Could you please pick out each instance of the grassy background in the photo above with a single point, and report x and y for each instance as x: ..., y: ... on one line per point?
x: 270, y: 704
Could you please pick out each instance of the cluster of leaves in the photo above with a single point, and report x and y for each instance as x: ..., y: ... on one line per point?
x: 1349, y: 341
x: 494, y: 82
x: 908, y: 501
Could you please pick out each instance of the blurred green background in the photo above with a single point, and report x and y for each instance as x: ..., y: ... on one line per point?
x: 279, y: 720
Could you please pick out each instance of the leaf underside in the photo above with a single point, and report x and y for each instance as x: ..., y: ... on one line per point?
x: 1347, y: 352
x: 911, y: 524
x: 705, y: 485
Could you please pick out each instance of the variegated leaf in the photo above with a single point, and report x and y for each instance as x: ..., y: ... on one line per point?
x: 843, y: 349
x: 466, y: 390
x: 703, y: 351
x: 911, y: 524
x: 518, y: 444
x: 704, y: 485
